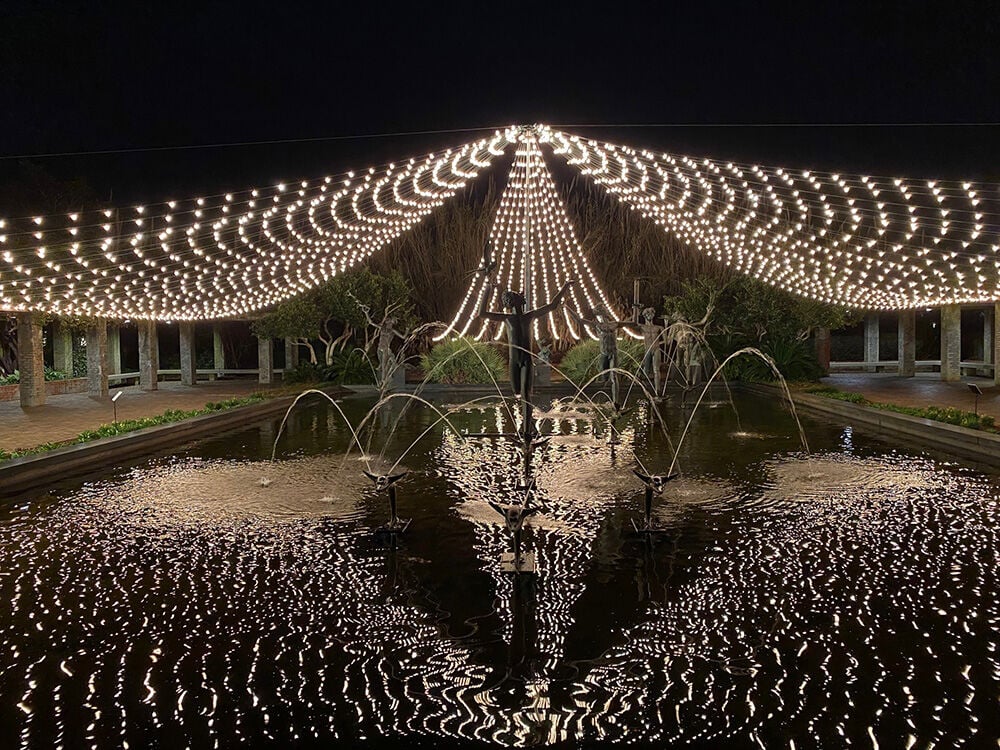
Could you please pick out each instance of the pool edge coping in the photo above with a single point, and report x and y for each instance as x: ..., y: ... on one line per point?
x: 32, y: 472
x: 959, y: 442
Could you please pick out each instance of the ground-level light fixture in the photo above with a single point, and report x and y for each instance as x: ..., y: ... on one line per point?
x: 114, y: 403
x: 977, y: 392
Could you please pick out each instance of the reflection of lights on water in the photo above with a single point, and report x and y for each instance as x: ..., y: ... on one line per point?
x: 829, y: 598
x: 847, y: 439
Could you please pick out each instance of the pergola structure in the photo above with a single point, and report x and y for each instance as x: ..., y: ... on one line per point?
x: 869, y: 242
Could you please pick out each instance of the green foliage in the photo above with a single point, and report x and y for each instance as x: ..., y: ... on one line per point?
x: 828, y: 391
x: 352, y: 367
x: 309, y: 315
x: 15, y: 377
x: 305, y: 372
x: 746, y: 312
x: 947, y: 414
x: 795, y: 360
x: 130, y: 425
x: 582, y: 361
x: 79, y: 361
x: 462, y: 360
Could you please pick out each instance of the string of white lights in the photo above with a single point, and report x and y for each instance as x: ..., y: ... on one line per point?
x: 536, y: 252
x: 862, y: 241
x: 847, y: 239
x: 239, y: 253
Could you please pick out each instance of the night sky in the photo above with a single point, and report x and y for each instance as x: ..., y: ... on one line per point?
x: 97, y: 76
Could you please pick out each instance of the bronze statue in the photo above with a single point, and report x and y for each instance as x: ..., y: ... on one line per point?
x: 518, y: 324
x: 607, y: 330
x: 651, y: 339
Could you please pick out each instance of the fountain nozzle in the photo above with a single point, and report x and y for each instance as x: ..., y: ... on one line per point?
x: 655, y: 484
x: 387, y: 483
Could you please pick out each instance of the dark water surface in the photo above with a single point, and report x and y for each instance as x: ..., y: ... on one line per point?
x: 843, y: 599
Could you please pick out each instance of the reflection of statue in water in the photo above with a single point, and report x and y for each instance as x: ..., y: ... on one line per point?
x: 518, y: 325
x: 607, y: 331
x: 651, y: 335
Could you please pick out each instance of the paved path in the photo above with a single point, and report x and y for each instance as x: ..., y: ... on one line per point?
x: 925, y: 389
x: 66, y: 416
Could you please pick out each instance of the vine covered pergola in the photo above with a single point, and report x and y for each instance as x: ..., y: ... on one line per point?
x: 855, y: 240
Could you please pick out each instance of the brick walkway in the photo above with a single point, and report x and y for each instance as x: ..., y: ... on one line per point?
x: 925, y: 389
x: 66, y: 416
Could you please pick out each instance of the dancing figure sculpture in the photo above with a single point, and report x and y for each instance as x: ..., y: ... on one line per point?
x: 518, y: 324
x: 386, y: 333
x: 652, y: 339
x: 607, y: 331
x: 687, y: 340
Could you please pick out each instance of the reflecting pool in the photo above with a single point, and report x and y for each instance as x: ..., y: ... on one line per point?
x: 211, y: 598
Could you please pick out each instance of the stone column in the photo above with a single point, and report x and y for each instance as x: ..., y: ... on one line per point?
x: 265, y: 361
x: 30, y: 359
x: 291, y: 354
x: 995, y: 344
x: 62, y: 348
x: 871, y: 342
x: 988, y: 336
x: 822, y: 341
x: 906, y: 341
x: 114, y: 350
x: 189, y: 373
x: 149, y: 355
x: 951, y: 343
x: 97, y: 361
x: 219, y: 353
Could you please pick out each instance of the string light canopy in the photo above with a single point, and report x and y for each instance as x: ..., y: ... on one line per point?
x: 861, y: 241
x: 535, y: 251
x: 227, y: 255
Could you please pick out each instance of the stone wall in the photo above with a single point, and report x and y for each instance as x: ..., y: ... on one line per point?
x: 52, y: 388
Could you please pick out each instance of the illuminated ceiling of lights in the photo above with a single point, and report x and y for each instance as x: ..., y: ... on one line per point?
x: 861, y: 241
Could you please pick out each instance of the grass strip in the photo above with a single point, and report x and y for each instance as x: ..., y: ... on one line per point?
x: 946, y: 414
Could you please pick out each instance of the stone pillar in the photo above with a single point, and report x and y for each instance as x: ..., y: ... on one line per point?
x: 30, y: 359
x: 219, y: 353
x: 823, y: 348
x: 189, y: 372
x: 871, y: 342
x: 114, y: 350
x: 995, y: 344
x: 265, y: 361
x: 988, y: 336
x: 291, y: 354
x: 906, y: 341
x: 97, y: 361
x: 149, y: 355
x: 951, y: 343
x: 62, y: 348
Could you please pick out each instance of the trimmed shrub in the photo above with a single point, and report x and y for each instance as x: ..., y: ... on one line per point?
x: 582, y: 361
x: 463, y: 360
x: 794, y: 359
x: 15, y: 377
x: 352, y: 367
